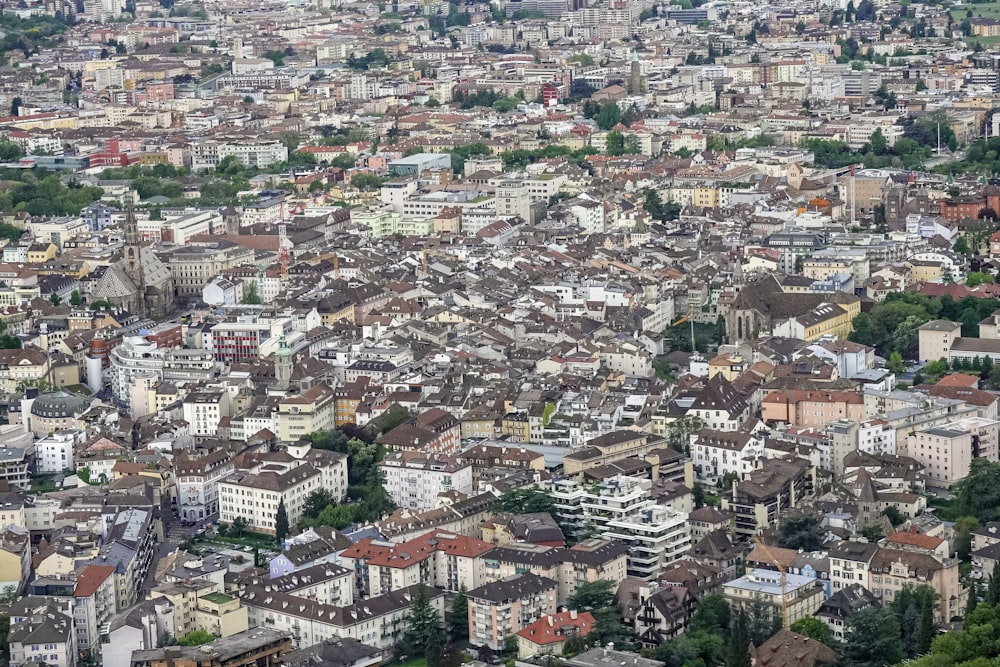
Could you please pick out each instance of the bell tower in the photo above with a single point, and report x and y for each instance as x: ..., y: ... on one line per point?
x: 133, y: 261
x: 283, y: 365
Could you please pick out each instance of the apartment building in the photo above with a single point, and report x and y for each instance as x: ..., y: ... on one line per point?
x: 811, y: 408
x: 204, y: 410
x: 934, y: 339
x: 41, y: 632
x: 503, y: 608
x: 887, y: 570
x: 94, y: 605
x: 437, y: 558
x: 197, y: 482
x: 415, y: 480
x: 792, y: 596
x: 312, y: 410
x: 591, y: 560
x: 193, y: 266
x: 622, y: 508
x: 767, y: 493
x: 252, y: 153
x: 946, y: 451
x: 255, y: 492
x: 719, y: 453
x: 378, y: 621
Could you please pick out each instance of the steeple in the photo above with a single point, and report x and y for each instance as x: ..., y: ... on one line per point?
x: 231, y: 218
x: 133, y: 261
x: 635, y: 76
x: 283, y: 365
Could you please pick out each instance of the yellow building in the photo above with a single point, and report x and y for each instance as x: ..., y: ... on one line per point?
x: 729, y: 366
x: 221, y: 614
x: 516, y: 426
x: 705, y: 196
x: 312, y: 410
x: 39, y: 253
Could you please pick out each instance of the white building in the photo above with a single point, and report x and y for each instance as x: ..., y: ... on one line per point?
x: 41, y: 632
x: 54, y: 453
x: 621, y: 508
x: 719, y: 453
x: 204, y: 410
x: 222, y: 292
x: 207, y: 153
x: 198, y: 484
x: 256, y: 492
x: 414, y: 481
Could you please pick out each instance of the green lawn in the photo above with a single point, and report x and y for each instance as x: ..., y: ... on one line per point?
x: 986, y: 10
x: 416, y: 662
x: 985, y: 41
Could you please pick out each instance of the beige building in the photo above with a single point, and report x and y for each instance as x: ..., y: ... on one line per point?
x: 256, y: 492
x: 200, y: 605
x: 798, y: 596
x: 313, y: 410
x: 503, y: 608
x: 193, y: 267
x: 947, y: 450
x: 935, y: 339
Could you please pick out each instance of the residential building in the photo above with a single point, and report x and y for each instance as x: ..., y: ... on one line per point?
x: 262, y: 647
x: 503, y: 608
x: 415, y: 480
x: 255, y: 492
x: 789, y: 597
x: 548, y: 634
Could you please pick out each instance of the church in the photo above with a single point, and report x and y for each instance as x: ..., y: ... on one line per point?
x: 139, y: 282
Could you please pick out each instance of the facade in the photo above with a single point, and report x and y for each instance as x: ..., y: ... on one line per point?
x: 935, y: 339
x: 503, y: 608
x: 197, y: 482
x: 622, y: 508
x: 799, y: 596
x: 255, y: 492
x: 416, y: 480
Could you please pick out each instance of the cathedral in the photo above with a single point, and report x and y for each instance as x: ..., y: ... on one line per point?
x: 139, y: 282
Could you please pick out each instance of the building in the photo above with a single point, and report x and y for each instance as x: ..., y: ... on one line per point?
x: 255, y: 492
x: 548, y: 634
x: 379, y: 621
x: 837, y: 609
x: 622, y: 508
x: 261, y: 647
x: 718, y: 454
x: 503, y: 608
x: 197, y: 481
x: 415, y: 480
x: 935, y: 339
x: 335, y: 652
x: 768, y: 492
x: 41, y: 632
x: 790, y: 597
x: 437, y: 558
x: 946, y: 451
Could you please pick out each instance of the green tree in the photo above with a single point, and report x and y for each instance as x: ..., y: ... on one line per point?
x: 239, y: 525
x: 55, y: 299
x: 992, y: 597
x: 978, y: 494
x: 424, y: 634
x: 896, y: 363
x: 712, y: 615
x: 877, y: 142
x: 872, y: 638
x: 812, y: 627
x: 615, y: 144
x: 978, y: 278
x: 250, y: 294
x: 962, y: 246
x: 738, y: 649
x: 75, y: 299
x: 964, y: 527
x: 800, y: 530
x: 281, y: 528
x: 608, y: 116
x: 196, y: 638
x: 593, y: 595
x: 459, y: 622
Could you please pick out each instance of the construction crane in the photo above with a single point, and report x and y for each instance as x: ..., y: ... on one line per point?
x: 781, y: 569
x: 688, y: 318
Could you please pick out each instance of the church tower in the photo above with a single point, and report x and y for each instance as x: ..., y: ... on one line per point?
x: 133, y: 261
x: 231, y: 220
x: 634, y: 76
x: 283, y: 365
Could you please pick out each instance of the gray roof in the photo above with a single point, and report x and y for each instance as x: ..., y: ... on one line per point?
x: 334, y: 652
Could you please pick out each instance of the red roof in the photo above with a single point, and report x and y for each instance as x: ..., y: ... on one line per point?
x: 915, y: 539
x: 90, y: 579
x: 959, y: 380
x: 407, y: 553
x: 558, y: 627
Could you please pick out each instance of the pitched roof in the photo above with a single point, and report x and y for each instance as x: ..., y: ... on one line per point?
x: 555, y: 628
x: 789, y: 649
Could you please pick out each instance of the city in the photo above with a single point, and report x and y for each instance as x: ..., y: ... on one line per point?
x: 528, y: 332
